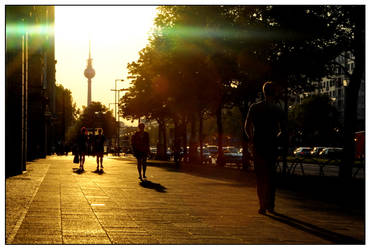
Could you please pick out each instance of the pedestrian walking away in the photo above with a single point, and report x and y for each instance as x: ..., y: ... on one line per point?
x: 140, y: 147
x: 265, y: 123
x: 82, y: 147
x: 99, y: 149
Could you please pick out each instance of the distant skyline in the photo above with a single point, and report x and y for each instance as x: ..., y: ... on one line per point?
x: 117, y: 34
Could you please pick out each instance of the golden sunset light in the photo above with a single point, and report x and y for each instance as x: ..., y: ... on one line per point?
x: 185, y: 124
x: 117, y: 34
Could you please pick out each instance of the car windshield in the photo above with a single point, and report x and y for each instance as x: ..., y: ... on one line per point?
x: 230, y: 150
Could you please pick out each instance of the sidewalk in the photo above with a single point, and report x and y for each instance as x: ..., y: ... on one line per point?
x: 50, y: 204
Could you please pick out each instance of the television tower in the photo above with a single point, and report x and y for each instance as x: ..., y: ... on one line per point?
x: 89, y: 74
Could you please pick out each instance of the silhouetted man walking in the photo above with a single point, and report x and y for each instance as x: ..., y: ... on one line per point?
x: 140, y: 146
x: 264, y: 124
x: 99, y: 149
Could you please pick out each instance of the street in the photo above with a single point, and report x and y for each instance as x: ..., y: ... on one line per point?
x: 51, y: 204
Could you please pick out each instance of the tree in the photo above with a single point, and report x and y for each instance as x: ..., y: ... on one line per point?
x: 66, y: 112
x: 317, y: 120
x: 296, y: 45
x: 201, y: 61
x: 96, y: 115
x: 148, y: 95
x: 207, y: 58
x: 350, y: 27
x: 334, y: 30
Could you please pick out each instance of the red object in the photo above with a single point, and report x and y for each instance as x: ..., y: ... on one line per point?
x: 360, y: 145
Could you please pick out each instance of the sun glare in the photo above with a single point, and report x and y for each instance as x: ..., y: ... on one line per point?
x: 117, y: 34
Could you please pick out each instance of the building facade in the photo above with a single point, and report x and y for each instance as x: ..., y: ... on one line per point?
x: 29, y: 85
x: 335, y: 86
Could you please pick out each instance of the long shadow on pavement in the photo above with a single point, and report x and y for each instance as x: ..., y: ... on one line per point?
x: 231, y: 176
x: 77, y: 171
x: 325, y: 234
x: 152, y: 185
x: 98, y: 172
x: 227, y: 174
x: 348, y: 198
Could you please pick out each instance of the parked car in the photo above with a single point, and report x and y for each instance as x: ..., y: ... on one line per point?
x: 316, y: 151
x: 232, y: 155
x: 152, y: 153
x: 302, y: 151
x: 332, y: 153
x: 207, y: 157
x: 169, y: 153
x: 213, y: 150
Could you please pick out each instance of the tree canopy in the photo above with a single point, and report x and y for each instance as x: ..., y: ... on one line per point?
x: 96, y: 115
x: 316, y: 120
x: 204, y: 58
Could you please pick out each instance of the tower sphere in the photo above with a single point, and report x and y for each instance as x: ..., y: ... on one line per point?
x: 89, y: 72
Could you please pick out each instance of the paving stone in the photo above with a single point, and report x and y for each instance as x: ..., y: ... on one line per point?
x: 86, y: 240
x: 136, y: 240
x: 37, y: 230
x: 52, y: 205
x: 117, y: 223
x: 37, y: 239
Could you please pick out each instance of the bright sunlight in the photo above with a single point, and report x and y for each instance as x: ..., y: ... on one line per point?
x: 117, y: 34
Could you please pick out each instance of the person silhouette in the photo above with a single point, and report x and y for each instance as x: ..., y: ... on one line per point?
x: 140, y: 147
x: 99, y: 149
x: 264, y: 124
x: 82, y: 147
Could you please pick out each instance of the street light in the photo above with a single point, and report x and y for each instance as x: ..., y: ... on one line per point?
x: 119, y: 125
x: 115, y: 96
x: 115, y: 109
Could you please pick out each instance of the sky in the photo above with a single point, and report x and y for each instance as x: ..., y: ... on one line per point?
x: 117, y: 34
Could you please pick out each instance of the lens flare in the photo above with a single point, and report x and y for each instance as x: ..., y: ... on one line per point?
x: 202, y: 32
x: 20, y: 29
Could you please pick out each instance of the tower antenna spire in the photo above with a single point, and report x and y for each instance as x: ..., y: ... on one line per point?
x: 89, y: 74
x: 89, y: 49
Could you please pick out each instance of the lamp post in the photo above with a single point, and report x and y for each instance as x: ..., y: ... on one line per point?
x: 119, y: 125
x: 115, y: 110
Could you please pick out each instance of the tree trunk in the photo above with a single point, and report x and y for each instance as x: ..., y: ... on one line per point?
x: 351, y: 94
x: 220, y: 155
x: 193, y: 146
x: 176, y: 144
x: 159, y: 140
x: 285, y: 138
x: 184, y: 139
x: 350, y: 121
x: 201, y: 137
x: 161, y: 152
x: 246, y: 158
x: 164, y: 132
